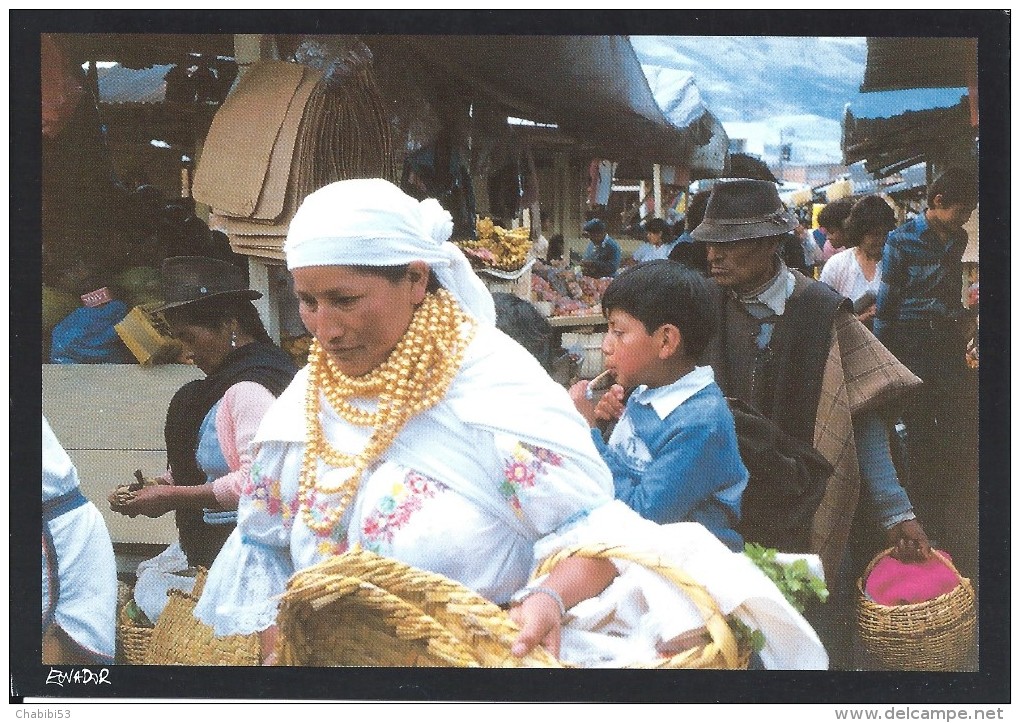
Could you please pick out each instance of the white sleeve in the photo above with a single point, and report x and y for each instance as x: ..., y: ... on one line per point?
x: 252, y: 569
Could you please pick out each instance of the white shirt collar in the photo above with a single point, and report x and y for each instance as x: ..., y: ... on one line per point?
x: 775, y: 294
x: 665, y: 399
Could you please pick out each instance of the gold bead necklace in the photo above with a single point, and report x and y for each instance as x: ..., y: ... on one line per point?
x: 414, y: 377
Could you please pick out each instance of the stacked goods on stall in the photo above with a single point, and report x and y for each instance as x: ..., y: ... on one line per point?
x: 502, y: 257
x: 570, y: 293
x: 497, y: 248
x: 300, y: 130
x: 286, y: 130
x: 576, y: 303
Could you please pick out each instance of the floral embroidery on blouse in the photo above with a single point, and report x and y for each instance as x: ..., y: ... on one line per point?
x: 525, y: 464
x: 395, y: 510
x: 329, y: 547
x: 264, y: 492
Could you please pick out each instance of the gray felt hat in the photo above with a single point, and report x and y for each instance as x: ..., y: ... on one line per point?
x: 744, y: 209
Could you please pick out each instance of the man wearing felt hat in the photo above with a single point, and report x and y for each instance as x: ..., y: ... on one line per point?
x: 791, y: 348
x: 602, y: 257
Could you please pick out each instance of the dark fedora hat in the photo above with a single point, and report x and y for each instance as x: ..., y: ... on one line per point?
x: 187, y: 279
x: 744, y: 209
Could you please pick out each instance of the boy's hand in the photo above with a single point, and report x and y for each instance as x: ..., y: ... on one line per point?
x: 579, y: 395
x: 610, y: 406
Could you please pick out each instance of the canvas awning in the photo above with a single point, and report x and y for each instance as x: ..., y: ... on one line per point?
x: 918, y: 102
x: 902, y: 63
x: 893, y: 130
x: 592, y: 87
x: 143, y: 50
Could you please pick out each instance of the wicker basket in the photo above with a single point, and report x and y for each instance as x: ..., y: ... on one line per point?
x: 935, y: 635
x: 133, y: 639
x: 360, y: 609
x: 719, y: 651
x: 179, y: 638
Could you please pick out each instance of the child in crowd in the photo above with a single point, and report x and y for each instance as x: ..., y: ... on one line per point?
x: 673, y: 453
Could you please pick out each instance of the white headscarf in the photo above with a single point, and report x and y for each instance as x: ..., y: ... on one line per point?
x: 371, y: 222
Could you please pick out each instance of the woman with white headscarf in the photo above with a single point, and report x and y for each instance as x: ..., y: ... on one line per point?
x: 417, y: 430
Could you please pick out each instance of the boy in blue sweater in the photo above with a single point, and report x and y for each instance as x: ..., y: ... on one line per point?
x: 673, y: 453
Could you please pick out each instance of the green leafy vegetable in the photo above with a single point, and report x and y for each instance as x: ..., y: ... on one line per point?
x: 794, y: 580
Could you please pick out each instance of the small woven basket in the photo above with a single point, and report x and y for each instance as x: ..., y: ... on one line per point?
x: 935, y: 635
x: 360, y: 609
x: 133, y: 639
x: 720, y: 650
x: 179, y: 638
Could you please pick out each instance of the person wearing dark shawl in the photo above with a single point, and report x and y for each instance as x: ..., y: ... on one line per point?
x: 210, y: 422
x: 792, y: 351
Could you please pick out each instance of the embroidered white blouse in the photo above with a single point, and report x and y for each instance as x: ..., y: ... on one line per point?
x: 480, y: 488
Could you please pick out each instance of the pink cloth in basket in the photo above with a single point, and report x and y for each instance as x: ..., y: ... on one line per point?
x: 892, y: 582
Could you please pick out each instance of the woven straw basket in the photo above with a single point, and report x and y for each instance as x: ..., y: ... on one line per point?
x: 360, y: 609
x: 720, y: 651
x: 179, y: 638
x: 133, y: 639
x: 935, y: 635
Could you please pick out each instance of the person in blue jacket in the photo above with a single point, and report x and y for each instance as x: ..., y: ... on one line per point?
x: 673, y: 451
x: 602, y: 256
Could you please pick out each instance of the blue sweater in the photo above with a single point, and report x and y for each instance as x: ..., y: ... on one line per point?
x: 674, y: 456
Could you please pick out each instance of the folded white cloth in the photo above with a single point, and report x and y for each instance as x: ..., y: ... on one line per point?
x: 641, y: 610
x: 157, y: 576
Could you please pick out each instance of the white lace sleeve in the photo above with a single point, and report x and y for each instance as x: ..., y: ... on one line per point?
x: 251, y: 571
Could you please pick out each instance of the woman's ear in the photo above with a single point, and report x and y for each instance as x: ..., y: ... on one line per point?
x: 418, y: 273
x: 670, y: 341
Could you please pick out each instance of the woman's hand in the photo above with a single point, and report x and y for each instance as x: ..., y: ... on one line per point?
x: 539, y: 614
x: 909, y: 541
x: 267, y: 642
x: 151, y: 501
x: 579, y: 396
x: 539, y: 619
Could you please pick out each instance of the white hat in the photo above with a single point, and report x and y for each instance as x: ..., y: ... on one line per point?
x: 371, y: 222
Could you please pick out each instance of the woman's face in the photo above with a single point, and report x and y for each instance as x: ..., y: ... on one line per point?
x: 655, y: 239
x: 358, y: 317
x: 204, y: 347
x: 871, y: 243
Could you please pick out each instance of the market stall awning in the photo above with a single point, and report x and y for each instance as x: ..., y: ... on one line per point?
x: 893, y: 130
x: 142, y: 50
x: 902, y: 63
x: 918, y: 103
x: 592, y: 87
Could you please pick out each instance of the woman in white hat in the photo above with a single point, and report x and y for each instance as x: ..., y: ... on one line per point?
x: 417, y: 430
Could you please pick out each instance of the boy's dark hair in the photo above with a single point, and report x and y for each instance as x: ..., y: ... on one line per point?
x: 835, y: 213
x: 955, y: 185
x: 666, y: 292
